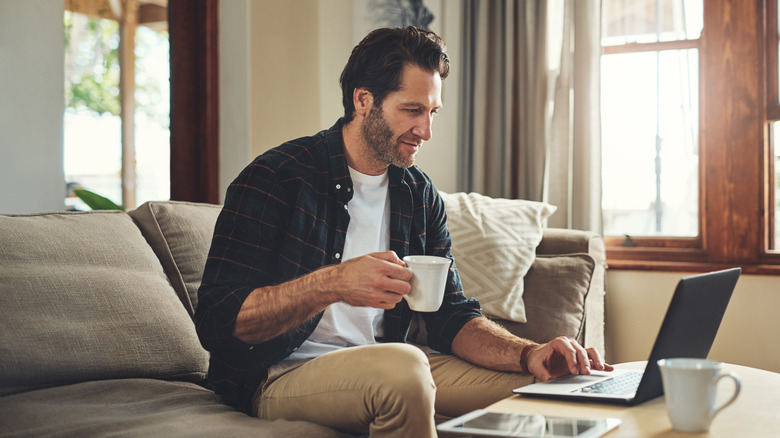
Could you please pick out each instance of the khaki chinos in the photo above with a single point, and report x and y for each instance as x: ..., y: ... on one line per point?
x: 389, y: 390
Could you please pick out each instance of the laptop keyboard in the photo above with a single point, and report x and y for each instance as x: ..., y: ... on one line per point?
x: 620, y: 384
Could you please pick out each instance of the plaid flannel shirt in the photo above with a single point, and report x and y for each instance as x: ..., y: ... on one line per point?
x: 286, y: 215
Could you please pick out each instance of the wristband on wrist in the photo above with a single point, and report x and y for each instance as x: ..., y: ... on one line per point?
x: 524, y: 357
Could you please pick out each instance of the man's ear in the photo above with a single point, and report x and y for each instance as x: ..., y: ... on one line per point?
x: 363, y: 100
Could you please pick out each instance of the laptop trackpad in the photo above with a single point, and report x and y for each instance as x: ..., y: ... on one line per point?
x: 565, y: 384
x: 577, y: 381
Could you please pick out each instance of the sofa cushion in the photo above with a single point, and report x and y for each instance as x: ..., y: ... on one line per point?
x: 83, y: 297
x: 555, y: 291
x: 180, y: 234
x: 137, y: 408
x: 494, y: 243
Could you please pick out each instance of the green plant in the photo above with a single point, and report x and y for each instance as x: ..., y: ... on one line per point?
x: 95, y: 201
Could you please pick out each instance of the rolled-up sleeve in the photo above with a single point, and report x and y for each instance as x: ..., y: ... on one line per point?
x: 456, y: 309
x: 241, y: 258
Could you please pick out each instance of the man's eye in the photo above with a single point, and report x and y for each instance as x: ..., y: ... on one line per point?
x: 413, y: 110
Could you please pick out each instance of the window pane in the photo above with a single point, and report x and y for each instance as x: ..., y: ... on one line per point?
x: 92, y: 144
x: 650, y: 158
x: 648, y: 21
x: 152, y: 120
x: 92, y: 123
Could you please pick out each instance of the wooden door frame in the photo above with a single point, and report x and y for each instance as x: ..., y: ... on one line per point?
x: 194, y: 58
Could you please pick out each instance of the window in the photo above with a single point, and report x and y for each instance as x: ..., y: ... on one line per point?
x: 116, y: 143
x: 690, y: 176
x: 650, y: 117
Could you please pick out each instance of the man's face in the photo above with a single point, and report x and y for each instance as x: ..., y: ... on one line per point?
x: 395, y: 130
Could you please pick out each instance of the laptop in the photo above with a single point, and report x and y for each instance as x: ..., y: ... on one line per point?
x: 688, y: 330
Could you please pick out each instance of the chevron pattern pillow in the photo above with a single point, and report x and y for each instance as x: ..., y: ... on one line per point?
x: 494, y: 244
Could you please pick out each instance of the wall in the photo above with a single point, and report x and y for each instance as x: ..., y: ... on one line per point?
x: 335, y: 43
x: 235, y: 112
x: 285, y: 60
x: 637, y: 302
x: 439, y: 157
x: 32, y: 39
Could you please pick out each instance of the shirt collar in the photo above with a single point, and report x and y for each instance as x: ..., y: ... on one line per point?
x: 342, y: 183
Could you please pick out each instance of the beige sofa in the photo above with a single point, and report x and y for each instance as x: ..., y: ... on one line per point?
x: 96, y: 336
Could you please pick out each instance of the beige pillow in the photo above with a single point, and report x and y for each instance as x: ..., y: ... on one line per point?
x: 555, y: 291
x: 180, y: 234
x: 494, y: 243
x: 83, y: 297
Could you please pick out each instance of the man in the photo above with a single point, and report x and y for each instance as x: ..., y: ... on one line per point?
x: 302, y: 305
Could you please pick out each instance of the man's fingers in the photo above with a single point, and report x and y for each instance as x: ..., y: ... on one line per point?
x: 376, y: 280
x: 583, y: 362
x: 388, y: 256
x: 396, y: 268
x: 597, y: 361
x: 396, y: 286
x: 571, y: 353
x: 389, y: 300
x: 563, y: 356
x: 575, y: 358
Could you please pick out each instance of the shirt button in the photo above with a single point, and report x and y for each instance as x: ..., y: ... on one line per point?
x: 345, y: 207
x: 349, y: 189
x: 338, y: 186
x: 338, y: 256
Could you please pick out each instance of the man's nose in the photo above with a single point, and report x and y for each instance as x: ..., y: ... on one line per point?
x: 423, y: 129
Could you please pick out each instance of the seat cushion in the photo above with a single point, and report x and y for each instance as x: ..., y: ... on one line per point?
x: 180, y: 234
x: 137, y: 408
x: 83, y: 297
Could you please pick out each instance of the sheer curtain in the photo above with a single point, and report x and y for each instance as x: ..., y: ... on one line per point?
x: 530, y: 105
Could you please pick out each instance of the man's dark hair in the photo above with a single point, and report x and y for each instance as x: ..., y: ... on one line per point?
x: 377, y: 62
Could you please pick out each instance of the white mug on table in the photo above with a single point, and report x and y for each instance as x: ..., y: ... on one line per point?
x: 690, y: 387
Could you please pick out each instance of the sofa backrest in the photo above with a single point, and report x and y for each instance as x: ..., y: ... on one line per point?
x: 83, y: 297
x: 180, y: 234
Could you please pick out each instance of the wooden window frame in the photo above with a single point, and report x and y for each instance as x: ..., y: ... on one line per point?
x: 737, y: 67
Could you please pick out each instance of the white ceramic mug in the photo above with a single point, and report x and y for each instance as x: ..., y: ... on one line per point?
x: 690, y: 387
x: 429, y: 278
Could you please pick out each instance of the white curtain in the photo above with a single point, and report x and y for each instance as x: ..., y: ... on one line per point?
x: 530, y: 105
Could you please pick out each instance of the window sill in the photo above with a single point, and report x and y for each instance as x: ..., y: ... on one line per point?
x: 687, y: 266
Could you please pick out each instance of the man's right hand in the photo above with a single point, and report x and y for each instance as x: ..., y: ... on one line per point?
x: 377, y: 280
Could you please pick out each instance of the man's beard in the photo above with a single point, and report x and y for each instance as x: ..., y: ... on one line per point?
x: 380, y: 140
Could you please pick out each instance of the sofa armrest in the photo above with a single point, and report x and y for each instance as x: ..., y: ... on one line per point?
x: 565, y: 241
x: 575, y: 252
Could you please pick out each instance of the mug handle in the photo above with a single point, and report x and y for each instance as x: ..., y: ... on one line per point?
x: 737, y: 389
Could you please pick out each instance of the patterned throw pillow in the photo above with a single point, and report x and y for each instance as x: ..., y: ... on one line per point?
x: 494, y: 243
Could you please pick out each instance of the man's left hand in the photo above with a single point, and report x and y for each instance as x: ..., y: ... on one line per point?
x: 563, y: 356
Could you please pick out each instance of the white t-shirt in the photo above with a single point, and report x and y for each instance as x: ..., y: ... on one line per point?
x: 343, y: 325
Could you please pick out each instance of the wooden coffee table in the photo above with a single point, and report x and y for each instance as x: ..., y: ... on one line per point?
x: 756, y: 413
